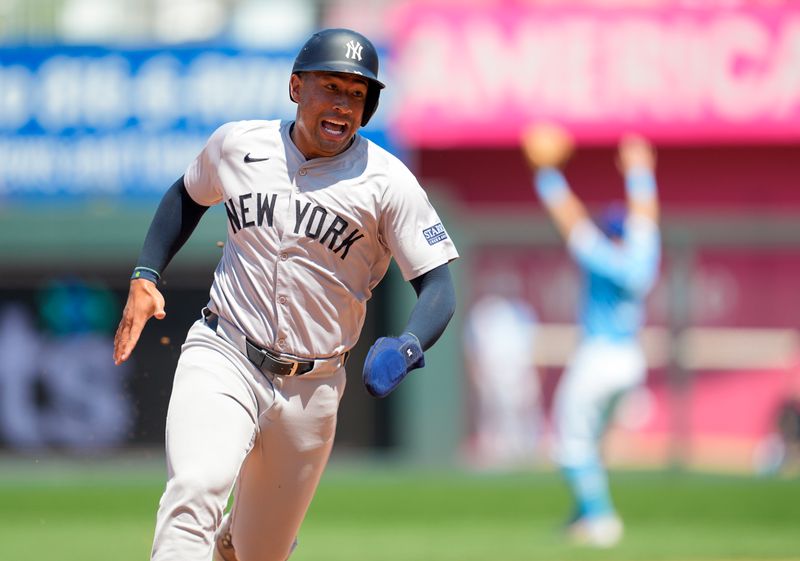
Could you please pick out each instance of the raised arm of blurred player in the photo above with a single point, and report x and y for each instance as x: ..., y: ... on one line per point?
x: 631, y: 264
x: 636, y: 160
x: 547, y: 148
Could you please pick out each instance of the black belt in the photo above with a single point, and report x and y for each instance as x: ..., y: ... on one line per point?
x: 267, y: 360
x: 263, y: 358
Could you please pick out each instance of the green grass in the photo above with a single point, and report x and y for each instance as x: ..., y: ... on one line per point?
x: 393, y: 515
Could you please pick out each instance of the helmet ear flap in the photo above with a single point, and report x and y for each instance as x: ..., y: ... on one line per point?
x: 370, y: 104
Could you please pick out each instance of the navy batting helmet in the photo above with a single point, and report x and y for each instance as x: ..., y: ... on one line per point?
x: 347, y: 51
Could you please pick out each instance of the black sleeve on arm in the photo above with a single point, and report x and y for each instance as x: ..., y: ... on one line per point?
x: 174, y: 221
x: 436, y: 303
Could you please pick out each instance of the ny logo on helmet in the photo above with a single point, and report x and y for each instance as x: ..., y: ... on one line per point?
x: 354, y: 50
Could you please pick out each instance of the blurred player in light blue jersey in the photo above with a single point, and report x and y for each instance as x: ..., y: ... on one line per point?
x: 619, y: 259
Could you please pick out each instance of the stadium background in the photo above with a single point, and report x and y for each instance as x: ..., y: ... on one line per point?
x: 104, y: 102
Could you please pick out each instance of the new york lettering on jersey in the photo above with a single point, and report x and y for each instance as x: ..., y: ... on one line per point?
x: 241, y: 209
x: 311, y: 219
x: 317, y: 218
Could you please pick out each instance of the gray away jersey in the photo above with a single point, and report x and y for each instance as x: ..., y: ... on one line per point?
x: 309, y: 240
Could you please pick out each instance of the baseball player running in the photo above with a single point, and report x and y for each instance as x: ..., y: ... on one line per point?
x: 315, y: 213
x: 619, y: 261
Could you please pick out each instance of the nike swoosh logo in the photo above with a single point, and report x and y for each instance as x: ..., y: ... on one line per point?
x: 249, y: 160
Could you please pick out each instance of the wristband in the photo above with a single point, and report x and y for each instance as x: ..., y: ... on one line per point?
x: 640, y: 184
x: 551, y: 186
x: 146, y: 273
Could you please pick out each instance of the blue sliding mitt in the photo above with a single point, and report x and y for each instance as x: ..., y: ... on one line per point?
x: 389, y: 360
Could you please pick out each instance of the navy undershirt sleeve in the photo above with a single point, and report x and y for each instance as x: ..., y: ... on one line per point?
x: 436, y: 303
x: 175, y: 219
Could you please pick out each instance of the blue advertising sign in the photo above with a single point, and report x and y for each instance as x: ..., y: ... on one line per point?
x: 89, y: 121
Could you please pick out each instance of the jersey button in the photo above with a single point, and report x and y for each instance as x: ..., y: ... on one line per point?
x: 303, y: 172
x: 281, y: 343
x: 284, y: 256
x: 282, y: 299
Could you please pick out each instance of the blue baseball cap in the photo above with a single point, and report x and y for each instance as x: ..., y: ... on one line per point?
x: 612, y: 220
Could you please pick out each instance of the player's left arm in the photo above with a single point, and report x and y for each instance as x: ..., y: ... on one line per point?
x: 390, y: 359
x: 636, y: 161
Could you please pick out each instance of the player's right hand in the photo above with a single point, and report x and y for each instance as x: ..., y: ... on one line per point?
x: 144, y: 301
x: 547, y: 145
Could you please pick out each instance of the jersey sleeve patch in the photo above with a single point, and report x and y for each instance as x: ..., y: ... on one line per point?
x: 435, y: 234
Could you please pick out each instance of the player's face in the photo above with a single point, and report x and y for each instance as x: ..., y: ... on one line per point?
x: 329, y: 110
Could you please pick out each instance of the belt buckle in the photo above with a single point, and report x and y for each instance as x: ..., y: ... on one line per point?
x: 293, y: 369
x: 293, y: 365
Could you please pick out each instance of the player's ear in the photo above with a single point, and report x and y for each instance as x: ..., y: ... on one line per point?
x: 294, y: 87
